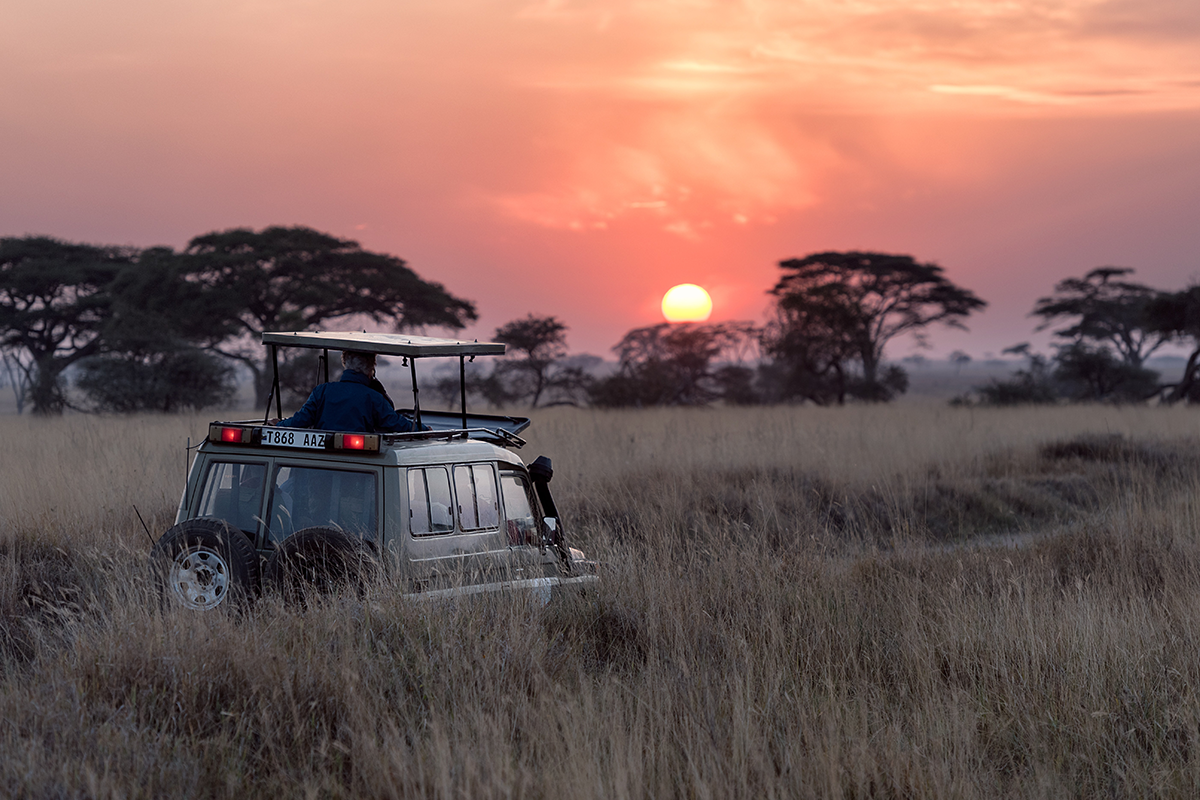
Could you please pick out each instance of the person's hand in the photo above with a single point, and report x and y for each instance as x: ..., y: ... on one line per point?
x: 272, y: 422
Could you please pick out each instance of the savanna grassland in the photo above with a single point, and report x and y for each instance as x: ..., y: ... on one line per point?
x: 873, y: 601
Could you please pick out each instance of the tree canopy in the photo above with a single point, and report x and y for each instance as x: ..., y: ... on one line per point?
x: 1177, y: 315
x: 296, y: 278
x: 131, y: 317
x: 535, y: 346
x: 54, y: 303
x: 672, y: 364
x: 1105, y: 311
x: 835, y: 309
x: 1112, y: 325
x: 156, y: 305
x: 153, y: 356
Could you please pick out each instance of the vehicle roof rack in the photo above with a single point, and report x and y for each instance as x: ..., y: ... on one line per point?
x: 494, y: 435
x: 389, y: 344
x: 408, y: 347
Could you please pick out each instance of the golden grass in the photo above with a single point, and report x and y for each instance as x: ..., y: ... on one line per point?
x: 81, y: 476
x: 780, y: 616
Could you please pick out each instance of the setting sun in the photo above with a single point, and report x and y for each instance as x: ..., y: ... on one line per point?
x: 686, y: 302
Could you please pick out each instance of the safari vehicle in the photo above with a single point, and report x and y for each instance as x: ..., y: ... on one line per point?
x: 444, y: 512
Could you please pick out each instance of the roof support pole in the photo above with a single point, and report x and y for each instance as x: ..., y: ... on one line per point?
x: 462, y: 387
x: 325, y: 361
x: 278, y: 399
x: 412, y: 362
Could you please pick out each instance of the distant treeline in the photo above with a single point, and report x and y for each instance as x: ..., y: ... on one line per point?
x: 832, y: 316
x: 1110, y: 326
x: 160, y: 329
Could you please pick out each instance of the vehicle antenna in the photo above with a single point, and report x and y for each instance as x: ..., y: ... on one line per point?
x: 144, y: 526
x: 267, y: 413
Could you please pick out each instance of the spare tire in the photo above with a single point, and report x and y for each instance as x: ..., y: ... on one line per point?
x: 203, y: 564
x: 320, y: 559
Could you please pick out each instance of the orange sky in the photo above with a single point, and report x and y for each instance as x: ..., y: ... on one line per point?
x: 579, y: 158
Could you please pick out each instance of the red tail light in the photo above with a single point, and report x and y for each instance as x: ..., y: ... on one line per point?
x: 230, y: 434
x: 367, y: 442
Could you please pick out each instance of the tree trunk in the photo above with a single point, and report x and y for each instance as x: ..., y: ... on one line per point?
x: 870, y: 363
x: 46, y: 391
x: 539, y: 385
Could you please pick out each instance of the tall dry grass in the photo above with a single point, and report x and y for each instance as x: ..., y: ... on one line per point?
x: 795, y: 603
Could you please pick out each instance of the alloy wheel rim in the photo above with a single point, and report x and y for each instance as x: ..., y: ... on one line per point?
x: 200, y: 578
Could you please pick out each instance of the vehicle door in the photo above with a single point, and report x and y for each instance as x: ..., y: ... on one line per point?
x: 523, y: 532
x: 454, y: 532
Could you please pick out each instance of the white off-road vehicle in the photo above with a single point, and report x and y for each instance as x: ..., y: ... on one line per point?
x: 440, y: 513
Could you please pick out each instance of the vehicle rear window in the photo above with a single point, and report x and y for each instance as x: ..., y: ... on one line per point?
x: 306, y: 496
x: 233, y: 492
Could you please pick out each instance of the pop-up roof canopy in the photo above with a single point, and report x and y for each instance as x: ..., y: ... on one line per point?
x: 393, y: 344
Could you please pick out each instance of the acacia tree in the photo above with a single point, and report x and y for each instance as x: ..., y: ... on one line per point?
x: 535, y: 345
x: 54, y: 303
x: 1177, y: 315
x: 297, y: 278
x: 809, y: 347
x: 153, y: 355
x: 1106, y: 311
x: 834, y: 308
x: 672, y: 364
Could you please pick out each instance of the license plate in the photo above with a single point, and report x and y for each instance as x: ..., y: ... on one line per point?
x: 286, y: 437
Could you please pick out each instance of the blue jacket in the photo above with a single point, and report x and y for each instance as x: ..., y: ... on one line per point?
x: 349, y: 405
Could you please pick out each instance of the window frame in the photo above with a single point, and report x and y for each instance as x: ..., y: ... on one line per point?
x: 471, y: 466
x: 423, y: 469
x: 451, y: 471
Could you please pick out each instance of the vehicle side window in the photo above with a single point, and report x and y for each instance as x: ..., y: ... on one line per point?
x: 475, y: 486
x: 308, y: 496
x: 233, y: 492
x: 520, y: 522
x: 429, y: 502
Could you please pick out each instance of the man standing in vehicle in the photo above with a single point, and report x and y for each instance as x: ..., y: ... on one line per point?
x: 356, y: 402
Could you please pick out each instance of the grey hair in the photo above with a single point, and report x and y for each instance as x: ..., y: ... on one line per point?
x: 359, y: 362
